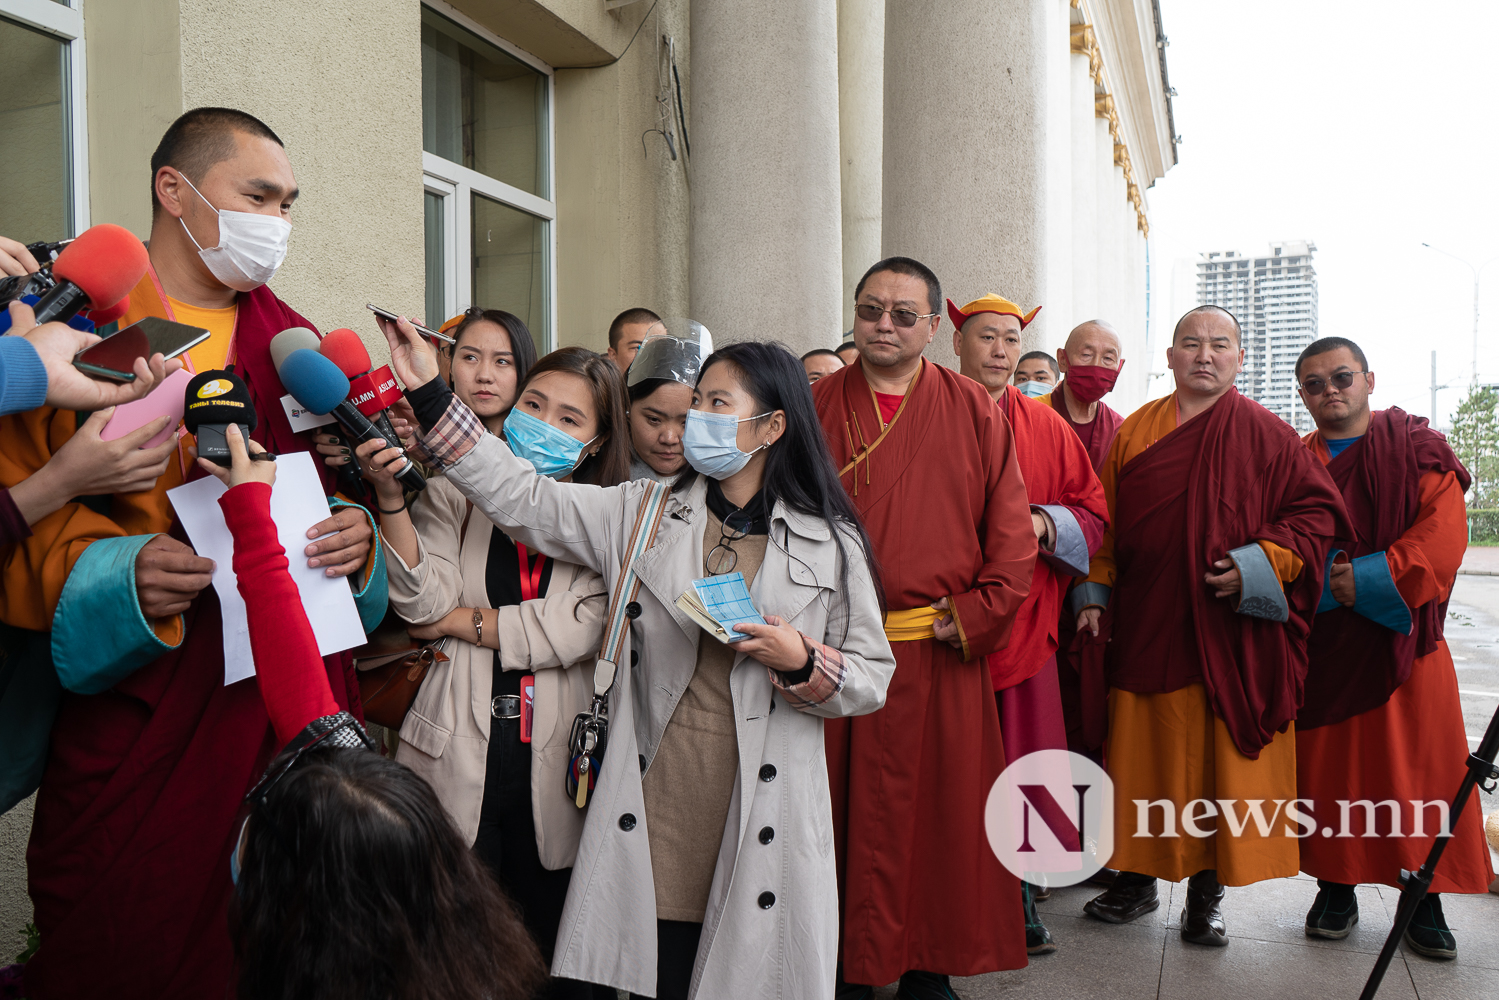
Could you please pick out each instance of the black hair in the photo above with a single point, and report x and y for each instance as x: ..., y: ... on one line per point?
x: 635, y: 314
x: 1033, y: 355
x: 646, y: 386
x: 911, y: 268
x: 1238, y: 330
x: 355, y: 884
x: 1327, y: 344
x: 819, y: 351
x: 200, y: 138
x: 799, y: 469
x: 521, y: 343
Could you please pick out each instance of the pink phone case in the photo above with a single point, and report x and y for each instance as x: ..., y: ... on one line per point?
x: 164, y: 400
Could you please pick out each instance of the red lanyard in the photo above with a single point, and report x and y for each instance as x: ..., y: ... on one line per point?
x: 530, y: 579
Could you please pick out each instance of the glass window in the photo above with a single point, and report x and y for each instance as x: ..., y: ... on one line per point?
x: 437, y: 268
x: 482, y: 107
x: 509, y: 253
x: 35, y: 136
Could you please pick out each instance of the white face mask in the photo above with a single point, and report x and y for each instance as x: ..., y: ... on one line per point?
x: 251, y: 246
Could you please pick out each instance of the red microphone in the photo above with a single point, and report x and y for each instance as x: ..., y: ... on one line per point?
x: 103, y: 317
x: 371, y: 391
x: 96, y: 270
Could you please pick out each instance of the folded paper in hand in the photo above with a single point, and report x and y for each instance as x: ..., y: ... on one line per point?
x: 718, y: 603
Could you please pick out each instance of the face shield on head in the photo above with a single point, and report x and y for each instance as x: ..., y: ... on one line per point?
x: 673, y: 349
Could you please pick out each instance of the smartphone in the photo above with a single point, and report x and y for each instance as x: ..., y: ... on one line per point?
x: 113, y: 358
x: 387, y: 314
x: 527, y: 706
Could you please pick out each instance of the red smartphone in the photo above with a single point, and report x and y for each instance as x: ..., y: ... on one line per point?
x: 527, y: 706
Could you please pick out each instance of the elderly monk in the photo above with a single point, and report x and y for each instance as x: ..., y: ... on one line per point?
x: 1090, y: 363
x: 1211, y: 571
x: 1068, y: 513
x: 152, y: 753
x: 1382, y: 722
x: 932, y: 467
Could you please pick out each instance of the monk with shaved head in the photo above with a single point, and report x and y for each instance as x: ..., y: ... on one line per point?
x: 1090, y: 364
x: 1206, y: 583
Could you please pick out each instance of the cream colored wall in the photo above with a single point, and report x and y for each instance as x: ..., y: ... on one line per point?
x: 134, y: 92
x: 343, y: 90
x: 622, y: 201
x: 15, y: 905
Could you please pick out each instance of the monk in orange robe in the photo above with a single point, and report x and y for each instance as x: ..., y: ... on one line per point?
x: 931, y: 465
x: 151, y: 753
x: 1211, y: 571
x: 1068, y: 514
x: 1382, y: 724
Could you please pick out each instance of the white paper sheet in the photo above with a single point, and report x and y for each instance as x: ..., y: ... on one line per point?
x: 297, y: 503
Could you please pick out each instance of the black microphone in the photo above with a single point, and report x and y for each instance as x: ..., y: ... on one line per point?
x: 214, y: 400
x: 317, y: 384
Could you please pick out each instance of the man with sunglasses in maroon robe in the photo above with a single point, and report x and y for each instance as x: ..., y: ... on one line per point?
x: 930, y: 463
x: 1383, y: 721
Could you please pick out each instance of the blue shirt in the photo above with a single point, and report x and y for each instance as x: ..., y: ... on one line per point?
x: 23, y: 378
x: 1335, y: 446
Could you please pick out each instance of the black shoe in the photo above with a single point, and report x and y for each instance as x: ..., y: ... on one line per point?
x: 1040, y: 893
x: 1131, y: 896
x: 925, y: 986
x: 850, y: 991
x: 1202, y: 917
x: 1334, y: 912
x: 1104, y: 877
x: 1037, y: 938
x: 1428, y: 934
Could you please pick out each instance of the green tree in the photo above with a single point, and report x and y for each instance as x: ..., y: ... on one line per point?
x: 1475, y: 438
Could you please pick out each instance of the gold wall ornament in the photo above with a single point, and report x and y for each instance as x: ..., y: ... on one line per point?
x: 1084, y: 41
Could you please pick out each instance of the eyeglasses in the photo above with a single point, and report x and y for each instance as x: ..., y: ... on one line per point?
x: 903, y: 318
x: 722, y: 558
x: 262, y: 789
x: 1342, y: 380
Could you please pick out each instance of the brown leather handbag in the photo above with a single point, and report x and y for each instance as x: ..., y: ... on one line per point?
x: 391, y: 667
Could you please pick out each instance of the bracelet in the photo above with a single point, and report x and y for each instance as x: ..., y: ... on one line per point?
x: 405, y: 505
x: 478, y: 628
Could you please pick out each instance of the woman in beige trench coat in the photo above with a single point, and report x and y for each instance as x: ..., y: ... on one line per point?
x: 770, y: 916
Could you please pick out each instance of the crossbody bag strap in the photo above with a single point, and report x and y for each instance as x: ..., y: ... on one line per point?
x: 647, y: 520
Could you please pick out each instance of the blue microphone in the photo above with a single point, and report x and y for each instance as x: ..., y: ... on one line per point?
x: 319, y: 386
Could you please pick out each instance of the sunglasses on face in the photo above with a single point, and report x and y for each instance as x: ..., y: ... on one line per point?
x: 1342, y: 380
x: 903, y: 318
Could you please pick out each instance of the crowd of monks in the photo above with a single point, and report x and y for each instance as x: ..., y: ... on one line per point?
x: 1238, y: 623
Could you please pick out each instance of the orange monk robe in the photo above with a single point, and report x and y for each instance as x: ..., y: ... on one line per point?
x: 940, y: 492
x: 1168, y: 741
x: 1414, y: 746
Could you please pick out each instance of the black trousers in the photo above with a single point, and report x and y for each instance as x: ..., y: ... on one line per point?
x: 676, y: 951
x: 507, y: 843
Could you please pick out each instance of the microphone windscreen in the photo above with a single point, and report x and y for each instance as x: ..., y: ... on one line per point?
x: 345, y: 349
x: 293, y: 339
x: 314, y: 381
x: 103, y: 317
x: 106, y: 262
x: 217, y: 397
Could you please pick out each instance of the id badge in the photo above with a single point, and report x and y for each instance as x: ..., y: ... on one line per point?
x: 527, y: 706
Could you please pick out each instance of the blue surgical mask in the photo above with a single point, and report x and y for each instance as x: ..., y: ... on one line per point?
x: 239, y: 842
x: 711, y: 443
x: 1035, y: 389
x: 553, y: 451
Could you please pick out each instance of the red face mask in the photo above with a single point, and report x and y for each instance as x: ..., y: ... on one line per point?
x: 1089, y: 383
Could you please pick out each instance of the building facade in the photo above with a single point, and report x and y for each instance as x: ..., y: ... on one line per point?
x: 1275, y: 300
x: 739, y: 161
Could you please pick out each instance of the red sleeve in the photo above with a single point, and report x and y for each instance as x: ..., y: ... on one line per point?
x: 293, y: 680
x: 1424, y: 561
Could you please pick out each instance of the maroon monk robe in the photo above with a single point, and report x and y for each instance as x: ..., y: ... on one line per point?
x: 1230, y: 476
x: 138, y: 808
x: 1379, y: 476
x: 1098, y: 434
x: 941, y: 494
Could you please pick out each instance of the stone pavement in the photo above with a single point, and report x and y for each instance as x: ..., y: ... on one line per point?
x: 1481, y: 560
x: 1268, y: 957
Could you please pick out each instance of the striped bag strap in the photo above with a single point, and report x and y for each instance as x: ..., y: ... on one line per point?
x: 647, y: 520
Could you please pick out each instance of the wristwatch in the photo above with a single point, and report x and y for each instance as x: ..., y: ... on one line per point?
x: 478, y: 627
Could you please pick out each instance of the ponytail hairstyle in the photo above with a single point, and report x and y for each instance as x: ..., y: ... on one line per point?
x: 799, y: 469
x: 610, y: 466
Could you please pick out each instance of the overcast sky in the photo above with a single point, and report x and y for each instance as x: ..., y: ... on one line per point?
x: 1367, y: 127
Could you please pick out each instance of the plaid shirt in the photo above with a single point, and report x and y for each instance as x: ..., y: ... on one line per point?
x: 454, y: 435
x: 828, y: 672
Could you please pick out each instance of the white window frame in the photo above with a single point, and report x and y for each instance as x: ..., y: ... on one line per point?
x: 64, y: 21
x: 458, y: 184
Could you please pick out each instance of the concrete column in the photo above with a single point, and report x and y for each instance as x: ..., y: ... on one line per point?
x: 1050, y: 329
x: 766, y: 242
x: 861, y: 114
x: 1104, y: 240
x: 1084, y: 191
x: 965, y: 127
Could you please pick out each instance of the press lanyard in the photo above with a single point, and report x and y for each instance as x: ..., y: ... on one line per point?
x: 530, y: 579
